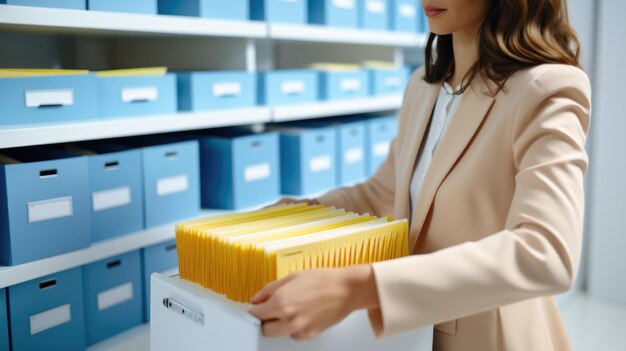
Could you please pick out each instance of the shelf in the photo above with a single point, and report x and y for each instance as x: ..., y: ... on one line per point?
x: 335, y: 108
x: 63, y: 132
x: 318, y: 33
x: 40, y: 134
x: 135, y: 339
x: 96, y: 22
x: 113, y: 23
x: 11, y: 275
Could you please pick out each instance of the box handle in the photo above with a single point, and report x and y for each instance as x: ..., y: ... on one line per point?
x: 171, y: 155
x: 47, y: 284
x: 140, y: 94
x: 49, y: 98
x: 320, y: 138
x: 354, y: 132
x: 111, y: 165
x: 170, y: 247
x: 256, y: 144
x: 227, y: 89
x: 48, y: 173
x: 382, y: 128
x: 113, y: 264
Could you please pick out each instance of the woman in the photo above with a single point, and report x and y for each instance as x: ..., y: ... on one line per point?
x: 490, y: 176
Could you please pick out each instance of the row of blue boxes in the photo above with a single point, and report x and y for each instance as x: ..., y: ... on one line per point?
x: 396, y: 15
x: 62, y: 98
x: 84, y: 193
x: 55, y: 201
x: 72, y: 309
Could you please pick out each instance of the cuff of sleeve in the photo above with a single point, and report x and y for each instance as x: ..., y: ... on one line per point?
x: 392, y: 316
x: 331, y: 198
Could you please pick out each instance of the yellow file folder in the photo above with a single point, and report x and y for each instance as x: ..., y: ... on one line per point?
x: 237, y: 254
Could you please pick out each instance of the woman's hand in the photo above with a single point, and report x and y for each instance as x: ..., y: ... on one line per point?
x: 305, y: 303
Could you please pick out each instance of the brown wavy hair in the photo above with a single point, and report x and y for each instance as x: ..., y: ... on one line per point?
x: 514, y: 35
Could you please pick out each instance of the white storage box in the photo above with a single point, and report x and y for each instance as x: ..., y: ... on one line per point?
x: 197, y: 319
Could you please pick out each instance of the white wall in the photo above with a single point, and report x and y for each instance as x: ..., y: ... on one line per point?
x: 607, y: 264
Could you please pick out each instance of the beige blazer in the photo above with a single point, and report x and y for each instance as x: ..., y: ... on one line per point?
x: 498, y: 225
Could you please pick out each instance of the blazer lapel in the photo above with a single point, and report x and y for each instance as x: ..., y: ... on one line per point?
x: 472, y: 109
x: 419, y: 111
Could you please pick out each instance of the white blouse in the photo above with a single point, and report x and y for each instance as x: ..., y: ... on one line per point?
x: 444, y: 109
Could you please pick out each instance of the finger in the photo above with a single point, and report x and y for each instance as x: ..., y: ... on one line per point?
x: 278, y: 327
x: 304, y: 335
x: 266, y: 311
x: 266, y: 292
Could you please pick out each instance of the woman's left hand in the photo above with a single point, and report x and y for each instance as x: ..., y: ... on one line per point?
x: 305, y: 303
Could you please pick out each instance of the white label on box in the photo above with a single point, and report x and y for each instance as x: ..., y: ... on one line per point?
x: 344, y: 4
x: 115, y: 296
x: 226, y: 89
x: 105, y: 199
x: 320, y: 163
x: 50, y: 319
x: 257, y: 172
x: 50, y: 209
x: 392, y: 82
x: 353, y: 155
x: 50, y: 97
x: 407, y: 10
x: 293, y: 87
x: 140, y: 94
x: 172, y: 185
x: 381, y: 149
x: 350, y: 84
x: 375, y: 6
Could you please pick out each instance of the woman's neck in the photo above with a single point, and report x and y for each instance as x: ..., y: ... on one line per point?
x: 465, y: 48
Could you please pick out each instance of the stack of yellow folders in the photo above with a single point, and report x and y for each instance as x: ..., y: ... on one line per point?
x: 237, y: 254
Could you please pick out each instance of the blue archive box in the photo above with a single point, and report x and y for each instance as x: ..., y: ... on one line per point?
x: 44, y: 204
x: 380, y: 132
x: 133, y: 6
x: 232, y: 9
x: 307, y: 160
x: 113, y: 296
x: 288, y: 87
x: 171, y: 182
x: 374, y: 14
x: 404, y: 15
x: 65, y: 4
x: 137, y: 95
x: 279, y: 11
x: 334, y: 13
x: 45, y: 99
x: 239, y: 169
x: 4, y: 322
x: 350, y: 152
x: 343, y: 84
x: 214, y: 90
x: 47, y: 313
x: 161, y: 258
x: 116, y: 191
x: 387, y: 81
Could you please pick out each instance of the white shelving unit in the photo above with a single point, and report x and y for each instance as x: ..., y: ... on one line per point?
x: 318, y: 34
x: 335, y: 108
x: 40, y: 134
x: 49, y: 37
x: 109, y: 23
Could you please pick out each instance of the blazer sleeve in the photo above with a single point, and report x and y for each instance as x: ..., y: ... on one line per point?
x: 374, y: 196
x: 538, y: 251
